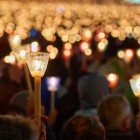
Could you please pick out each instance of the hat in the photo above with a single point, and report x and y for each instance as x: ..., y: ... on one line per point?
x: 19, y: 99
x: 92, y: 87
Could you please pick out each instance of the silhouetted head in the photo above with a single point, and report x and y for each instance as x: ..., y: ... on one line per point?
x: 83, y: 127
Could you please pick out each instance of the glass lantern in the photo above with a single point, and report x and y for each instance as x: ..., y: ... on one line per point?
x: 37, y: 63
x: 135, y: 84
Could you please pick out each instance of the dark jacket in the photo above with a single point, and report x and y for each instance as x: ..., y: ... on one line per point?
x: 119, y: 136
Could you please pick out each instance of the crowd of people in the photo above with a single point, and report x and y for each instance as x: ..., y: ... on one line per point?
x: 86, y: 107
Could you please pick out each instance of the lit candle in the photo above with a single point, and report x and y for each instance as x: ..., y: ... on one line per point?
x: 53, y: 84
x: 20, y: 54
x: 135, y: 85
x: 113, y: 80
x: 67, y: 55
x: 37, y: 63
x: 129, y: 54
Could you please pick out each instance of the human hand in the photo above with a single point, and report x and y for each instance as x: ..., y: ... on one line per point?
x: 42, y: 132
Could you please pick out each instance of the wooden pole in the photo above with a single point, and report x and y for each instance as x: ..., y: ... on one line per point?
x: 38, y: 101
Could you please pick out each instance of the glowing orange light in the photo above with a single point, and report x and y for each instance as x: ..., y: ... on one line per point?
x: 121, y: 54
x: 129, y: 54
x: 87, y: 35
x: 49, y: 48
x: 67, y: 53
x: 10, y: 59
x: 84, y: 46
x: 101, y: 35
x: 113, y: 80
x: 138, y: 53
x: 52, y: 55
x: 88, y: 52
x: 68, y: 46
x: 35, y: 47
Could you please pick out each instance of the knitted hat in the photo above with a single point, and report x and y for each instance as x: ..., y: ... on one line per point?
x: 92, y: 87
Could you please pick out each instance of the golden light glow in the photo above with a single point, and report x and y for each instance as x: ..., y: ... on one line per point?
x: 9, y: 59
x: 139, y: 40
x: 49, y: 48
x: 71, y: 39
x: 84, y: 46
x: 37, y: 63
x: 113, y: 80
x: 115, y: 33
x: 101, y: 46
x: 35, y: 46
x: 122, y: 37
x: 137, y: 29
x: 135, y: 84
x: 67, y: 53
x: 54, y: 50
x: 68, y: 46
x: 105, y: 41
x: 108, y: 28
x: 77, y: 37
x: 101, y: 35
x: 88, y: 52
x: 72, y: 19
x: 22, y: 53
x: 16, y: 39
x: 65, y: 38
x: 52, y: 55
x: 138, y: 53
x: 87, y: 35
x: 128, y: 29
x: 121, y: 54
x: 129, y: 54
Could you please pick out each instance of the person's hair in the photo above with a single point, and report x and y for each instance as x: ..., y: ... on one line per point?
x: 15, y: 127
x: 83, y: 127
x: 112, y: 110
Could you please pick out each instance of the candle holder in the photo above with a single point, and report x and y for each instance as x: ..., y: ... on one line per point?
x: 135, y: 86
x: 53, y: 85
x: 20, y: 53
x: 37, y: 63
